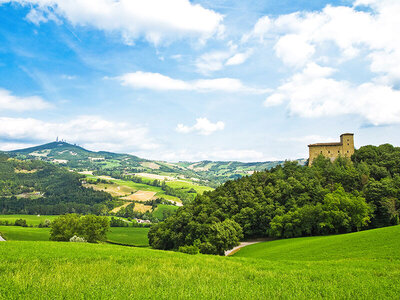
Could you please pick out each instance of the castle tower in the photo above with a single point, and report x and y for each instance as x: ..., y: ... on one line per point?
x: 332, y: 150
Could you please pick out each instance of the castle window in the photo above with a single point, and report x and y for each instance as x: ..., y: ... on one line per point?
x: 321, y: 152
x: 347, y: 144
x: 338, y: 151
x: 347, y: 151
x: 329, y: 151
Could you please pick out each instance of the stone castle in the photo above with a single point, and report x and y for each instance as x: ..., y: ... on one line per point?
x: 333, y: 150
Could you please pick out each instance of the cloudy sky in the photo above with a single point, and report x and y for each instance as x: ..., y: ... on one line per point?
x: 178, y: 80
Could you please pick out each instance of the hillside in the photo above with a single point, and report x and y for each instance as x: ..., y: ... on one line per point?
x: 37, y: 187
x: 378, y: 243
x: 290, y: 201
x: 113, y: 164
x: 73, y: 270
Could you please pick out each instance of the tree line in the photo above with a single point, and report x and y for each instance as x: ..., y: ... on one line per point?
x: 290, y: 201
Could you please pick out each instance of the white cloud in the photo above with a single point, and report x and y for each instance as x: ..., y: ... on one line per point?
x: 313, y: 93
x: 303, y: 37
x: 157, y: 81
x: 203, y: 126
x: 212, y: 61
x: 156, y: 20
x: 15, y: 103
x: 92, y: 132
x: 238, y: 58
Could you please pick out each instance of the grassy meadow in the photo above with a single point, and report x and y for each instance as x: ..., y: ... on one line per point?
x: 134, y: 236
x: 31, y: 220
x: 368, y: 267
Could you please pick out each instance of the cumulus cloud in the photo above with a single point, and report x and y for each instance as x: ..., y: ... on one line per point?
x: 155, y: 20
x: 92, y: 132
x: 238, y: 58
x: 203, y: 126
x: 15, y: 103
x: 157, y: 81
x: 302, y: 37
x: 314, y: 93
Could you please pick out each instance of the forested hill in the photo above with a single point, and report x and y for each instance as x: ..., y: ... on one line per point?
x: 37, y: 187
x: 211, y: 173
x: 290, y: 201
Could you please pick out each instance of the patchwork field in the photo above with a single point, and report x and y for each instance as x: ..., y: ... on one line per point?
x: 141, y: 196
x: 72, y: 270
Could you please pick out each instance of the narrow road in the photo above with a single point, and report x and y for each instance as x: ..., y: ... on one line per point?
x: 1, y: 239
x: 241, y: 245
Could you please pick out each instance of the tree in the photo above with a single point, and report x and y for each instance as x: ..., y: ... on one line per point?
x: 90, y: 227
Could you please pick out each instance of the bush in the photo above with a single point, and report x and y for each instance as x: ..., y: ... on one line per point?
x: 189, y: 249
x: 92, y: 228
x: 20, y: 222
x: 77, y: 239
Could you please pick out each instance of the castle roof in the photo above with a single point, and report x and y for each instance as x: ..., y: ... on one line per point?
x: 325, y: 144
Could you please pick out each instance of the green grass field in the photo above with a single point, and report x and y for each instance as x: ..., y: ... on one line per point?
x: 161, y: 208
x: 30, y: 219
x: 370, y: 244
x: 134, y: 236
x: 17, y: 233
x: 368, y: 267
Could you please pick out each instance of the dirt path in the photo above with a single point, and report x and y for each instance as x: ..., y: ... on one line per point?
x: 242, y: 244
x: 1, y: 239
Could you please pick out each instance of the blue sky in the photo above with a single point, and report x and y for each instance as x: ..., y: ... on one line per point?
x: 219, y: 80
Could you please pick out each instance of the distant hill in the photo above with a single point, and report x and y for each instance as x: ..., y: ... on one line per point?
x: 114, y: 164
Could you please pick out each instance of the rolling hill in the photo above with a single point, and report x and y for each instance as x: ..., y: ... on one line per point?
x: 211, y: 173
x: 367, y: 268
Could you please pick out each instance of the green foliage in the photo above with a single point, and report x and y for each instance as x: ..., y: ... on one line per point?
x: 36, y: 187
x: 20, y: 222
x: 292, y: 201
x: 189, y: 249
x: 92, y: 228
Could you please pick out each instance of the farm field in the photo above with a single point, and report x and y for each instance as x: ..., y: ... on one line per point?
x: 134, y: 236
x: 33, y: 220
x: 162, y: 209
x: 73, y: 270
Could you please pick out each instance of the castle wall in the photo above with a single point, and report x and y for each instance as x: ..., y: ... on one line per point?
x: 333, y: 150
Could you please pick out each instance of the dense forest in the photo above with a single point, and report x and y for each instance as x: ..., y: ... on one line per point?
x: 290, y: 201
x: 37, y: 187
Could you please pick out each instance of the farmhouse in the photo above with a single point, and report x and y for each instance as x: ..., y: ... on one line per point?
x: 332, y: 150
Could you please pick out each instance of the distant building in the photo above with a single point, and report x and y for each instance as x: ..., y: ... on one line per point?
x: 332, y: 150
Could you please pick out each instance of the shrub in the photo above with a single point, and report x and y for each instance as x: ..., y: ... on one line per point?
x: 77, y: 239
x: 92, y: 228
x: 189, y: 249
x: 20, y: 222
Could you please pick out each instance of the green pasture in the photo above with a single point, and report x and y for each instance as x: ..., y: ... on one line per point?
x: 370, y: 244
x: 33, y: 220
x: 161, y: 208
x: 134, y: 236
x: 17, y: 233
x: 55, y: 270
x: 187, y: 185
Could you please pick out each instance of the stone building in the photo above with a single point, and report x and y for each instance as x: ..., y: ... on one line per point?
x: 344, y: 148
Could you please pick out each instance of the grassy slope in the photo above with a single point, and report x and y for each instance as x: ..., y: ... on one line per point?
x: 158, y: 212
x: 382, y: 243
x: 70, y: 270
x: 16, y: 233
x: 124, y: 235
x: 129, y: 236
x: 30, y: 219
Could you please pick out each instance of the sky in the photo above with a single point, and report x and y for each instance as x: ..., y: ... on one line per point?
x: 183, y: 80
